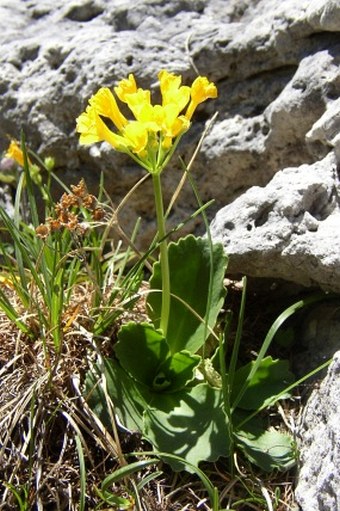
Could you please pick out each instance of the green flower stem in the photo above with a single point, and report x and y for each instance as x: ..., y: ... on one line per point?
x: 164, y: 260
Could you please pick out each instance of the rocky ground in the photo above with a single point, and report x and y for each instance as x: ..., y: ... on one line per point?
x: 271, y: 160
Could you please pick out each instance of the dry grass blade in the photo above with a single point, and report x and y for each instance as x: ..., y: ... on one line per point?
x: 40, y: 414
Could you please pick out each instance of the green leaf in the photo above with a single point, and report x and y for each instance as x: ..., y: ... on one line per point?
x: 120, y: 503
x: 269, y: 449
x: 144, y: 353
x: 188, y: 423
x: 270, y: 379
x: 129, y: 399
x: 141, y: 349
x: 190, y: 272
x: 176, y: 372
x: 194, y: 428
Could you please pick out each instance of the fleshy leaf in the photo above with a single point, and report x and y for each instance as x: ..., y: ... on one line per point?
x: 195, y: 428
x: 190, y: 265
x: 128, y: 399
x: 270, y: 379
x: 178, y: 371
x: 141, y: 349
x: 189, y: 423
x: 144, y: 353
x: 269, y: 449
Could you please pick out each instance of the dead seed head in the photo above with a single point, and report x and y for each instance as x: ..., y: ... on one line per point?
x: 69, y: 212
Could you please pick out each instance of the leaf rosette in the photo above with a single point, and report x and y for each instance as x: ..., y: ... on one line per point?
x: 145, y: 355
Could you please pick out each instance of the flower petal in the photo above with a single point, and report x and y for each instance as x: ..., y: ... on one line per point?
x: 172, y: 91
x: 105, y: 104
x: 93, y: 129
x: 138, y: 101
x: 136, y: 136
x: 201, y: 90
x: 126, y: 86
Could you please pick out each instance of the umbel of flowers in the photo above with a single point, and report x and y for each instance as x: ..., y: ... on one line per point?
x: 152, y: 135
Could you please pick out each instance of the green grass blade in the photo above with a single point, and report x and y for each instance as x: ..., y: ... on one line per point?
x: 27, y: 252
x: 29, y: 185
x: 126, y: 471
x: 21, y: 501
x: 237, y: 342
x: 285, y: 391
x: 12, y: 313
x: 10, y: 267
x: 226, y: 389
x: 146, y: 480
x: 211, y: 490
x: 13, y: 229
x: 82, y: 473
x: 211, y: 267
x: 271, y: 333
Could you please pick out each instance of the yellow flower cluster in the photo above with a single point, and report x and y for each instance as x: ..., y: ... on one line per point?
x: 155, y: 130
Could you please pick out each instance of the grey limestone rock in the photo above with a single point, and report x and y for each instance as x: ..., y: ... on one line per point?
x: 318, y: 486
x: 325, y: 133
x: 276, y: 65
x: 289, y: 229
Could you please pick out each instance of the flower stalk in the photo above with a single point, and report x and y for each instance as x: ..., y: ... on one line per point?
x: 164, y: 259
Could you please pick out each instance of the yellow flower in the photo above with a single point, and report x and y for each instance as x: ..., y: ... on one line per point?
x: 151, y: 137
x: 136, y: 136
x: 126, y: 86
x: 105, y: 104
x: 93, y: 129
x: 173, y: 124
x: 7, y: 280
x: 201, y: 90
x: 15, y: 153
x: 172, y: 91
x: 138, y: 101
x: 158, y: 118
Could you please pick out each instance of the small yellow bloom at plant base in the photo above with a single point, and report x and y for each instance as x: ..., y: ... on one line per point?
x: 15, y: 153
x: 151, y: 137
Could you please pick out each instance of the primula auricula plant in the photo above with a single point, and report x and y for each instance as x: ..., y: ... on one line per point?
x: 150, y: 138
x: 160, y: 381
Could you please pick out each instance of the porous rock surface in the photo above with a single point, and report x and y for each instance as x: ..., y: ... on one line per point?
x: 276, y: 65
x: 289, y: 229
x: 318, y: 486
